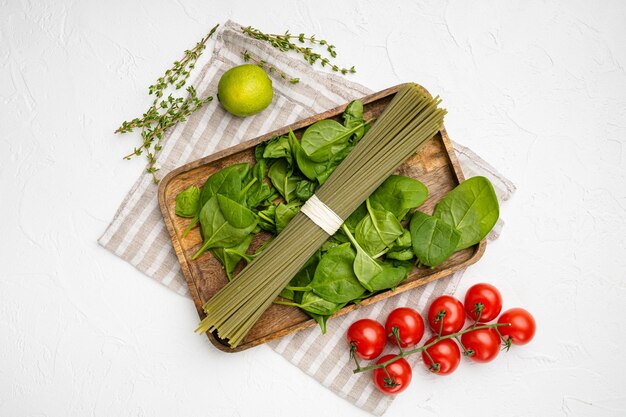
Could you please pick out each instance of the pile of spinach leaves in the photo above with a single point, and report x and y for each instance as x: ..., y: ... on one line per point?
x: 376, y: 247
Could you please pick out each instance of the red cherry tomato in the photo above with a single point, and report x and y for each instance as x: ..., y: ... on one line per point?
x: 410, y: 326
x: 368, y: 337
x: 399, y: 378
x: 522, y: 326
x: 484, y: 296
x: 454, y: 317
x: 483, y: 343
x: 445, y: 355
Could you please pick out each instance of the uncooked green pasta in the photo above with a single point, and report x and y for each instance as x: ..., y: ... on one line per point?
x: 409, y: 120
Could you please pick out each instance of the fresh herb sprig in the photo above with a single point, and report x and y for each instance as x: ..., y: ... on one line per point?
x: 247, y: 56
x: 166, y: 112
x: 284, y: 43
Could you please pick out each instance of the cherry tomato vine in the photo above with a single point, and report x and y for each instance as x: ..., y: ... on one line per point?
x: 481, y: 341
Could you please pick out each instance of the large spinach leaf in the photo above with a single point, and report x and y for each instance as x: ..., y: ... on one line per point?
x: 334, y: 278
x: 471, y: 208
x: 225, y: 223
x: 315, y: 304
x: 235, y: 213
x: 399, y: 194
x: 391, y: 276
x: 326, y: 138
x: 313, y: 170
x: 227, y: 182
x: 378, y: 230
x: 283, y: 179
x: 433, y: 239
x: 365, y: 267
x: 306, y: 165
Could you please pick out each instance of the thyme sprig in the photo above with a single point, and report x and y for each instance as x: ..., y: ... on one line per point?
x: 166, y: 112
x: 284, y: 43
x: 247, y: 56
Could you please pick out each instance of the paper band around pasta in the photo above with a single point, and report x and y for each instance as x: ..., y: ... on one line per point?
x: 322, y: 215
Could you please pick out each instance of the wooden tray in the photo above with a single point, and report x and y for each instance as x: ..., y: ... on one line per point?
x: 435, y: 165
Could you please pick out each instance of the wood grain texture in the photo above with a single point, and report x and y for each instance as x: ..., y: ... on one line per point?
x: 435, y: 164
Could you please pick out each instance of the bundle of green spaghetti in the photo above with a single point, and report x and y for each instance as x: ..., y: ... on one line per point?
x: 409, y: 120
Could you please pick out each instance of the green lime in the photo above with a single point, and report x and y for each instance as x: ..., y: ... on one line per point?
x: 245, y: 90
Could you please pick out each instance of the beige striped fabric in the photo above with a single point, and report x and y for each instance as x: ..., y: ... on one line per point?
x: 137, y: 233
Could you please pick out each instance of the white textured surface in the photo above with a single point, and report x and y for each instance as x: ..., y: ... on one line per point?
x: 536, y: 88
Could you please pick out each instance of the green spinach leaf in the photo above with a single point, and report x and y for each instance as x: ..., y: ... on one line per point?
x: 330, y: 243
x: 399, y: 194
x: 260, y: 193
x: 230, y: 257
x: 365, y: 267
x: 305, y: 189
x: 433, y: 239
x: 225, y: 223
x: 314, y: 171
x: 357, y: 215
x: 391, y: 276
x: 283, y: 179
x: 402, y: 249
x: 259, y: 150
x: 471, y: 208
x: 226, y: 182
x: 326, y: 138
x: 320, y: 319
x: 315, y: 304
x: 284, y: 214
x: 306, y: 165
x: 404, y: 241
x: 188, y: 202
x: 267, y: 219
x: 278, y: 147
x: 334, y: 278
x: 332, y: 164
x: 353, y: 116
x: 400, y: 254
x: 377, y: 231
x: 236, y: 214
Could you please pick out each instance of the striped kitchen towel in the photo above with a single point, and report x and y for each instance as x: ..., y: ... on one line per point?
x: 137, y: 233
